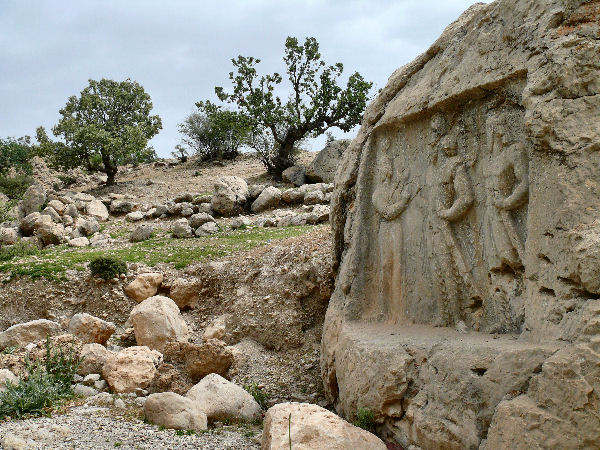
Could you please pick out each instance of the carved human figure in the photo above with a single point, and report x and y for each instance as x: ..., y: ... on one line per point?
x: 454, y: 194
x: 507, y: 187
x: 390, y: 198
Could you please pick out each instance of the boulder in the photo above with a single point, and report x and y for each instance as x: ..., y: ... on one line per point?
x: 295, y: 175
x: 185, y: 293
x: 311, y: 427
x: 6, y: 376
x: 50, y: 211
x: 174, y: 411
x: 217, y: 329
x: 186, y: 197
x: 83, y: 197
x: 156, y: 321
x: 33, y: 199
x: 27, y: 223
x: 97, y: 210
x: 268, y: 198
x: 239, y: 222
x: 255, y: 190
x: 93, y: 357
x: 8, y: 236
x: 87, y: 226
x: 292, y: 196
x: 71, y: 211
x: 319, y: 214
x: 144, y: 286
x: 206, y: 229
x: 182, y: 229
x: 322, y: 169
x: 198, y: 360
x: 57, y: 205
x: 200, y: 219
x: 142, y: 233
x: 26, y: 333
x: 79, y: 242
x: 130, y: 369
x: 223, y: 400
x: 134, y: 216
x: 90, y: 329
x: 230, y: 195
x: 121, y: 206
x: 314, y: 198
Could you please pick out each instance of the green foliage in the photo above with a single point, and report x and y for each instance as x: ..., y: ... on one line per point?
x: 44, y: 384
x: 107, y: 267
x: 15, y: 186
x: 15, y: 154
x: 17, y: 250
x: 180, y: 153
x: 259, y: 395
x: 67, y: 180
x: 315, y: 104
x: 6, y: 211
x: 365, y: 419
x: 108, y: 125
x: 215, y: 132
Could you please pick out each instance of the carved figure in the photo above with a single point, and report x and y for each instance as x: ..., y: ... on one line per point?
x: 507, y: 187
x: 454, y: 198
x: 390, y: 198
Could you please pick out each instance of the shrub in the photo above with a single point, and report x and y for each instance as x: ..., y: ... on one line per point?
x: 107, y: 267
x: 365, y: 419
x: 6, y: 211
x: 259, y: 395
x: 43, y: 385
x: 14, y: 187
x: 17, y: 250
x: 67, y: 180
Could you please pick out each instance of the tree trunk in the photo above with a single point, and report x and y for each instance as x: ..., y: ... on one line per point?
x: 109, y: 169
x: 283, y: 160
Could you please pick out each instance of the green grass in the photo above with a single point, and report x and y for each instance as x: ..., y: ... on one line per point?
x: 52, y: 263
x: 261, y: 397
x: 365, y: 419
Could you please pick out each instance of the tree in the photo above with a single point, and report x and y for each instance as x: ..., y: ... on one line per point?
x: 315, y: 104
x: 108, y: 125
x: 16, y: 154
x: 215, y: 132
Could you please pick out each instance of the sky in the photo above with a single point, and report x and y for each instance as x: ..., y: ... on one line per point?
x: 179, y: 50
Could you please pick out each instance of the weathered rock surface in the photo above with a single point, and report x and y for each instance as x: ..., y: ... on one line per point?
x: 182, y: 229
x: 97, y: 210
x: 90, y: 329
x: 93, y: 357
x: 295, y: 175
x: 322, y: 169
x: 311, y: 427
x: 156, y: 321
x: 185, y: 293
x: 6, y: 376
x: 199, y: 360
x: 223, y: 400
x: 469, y: 200
x: 26, y: 333
x: 131, y: 369
x: 144, y: 286
x: 33, y: 199
x: 268, y: 198
x: 174, y: 411
x: 230, y: 195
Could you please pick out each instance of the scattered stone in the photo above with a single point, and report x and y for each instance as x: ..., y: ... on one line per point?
x: 33, y: 199
x: 6, y: 376
x: 200, y: 219
x: 185, y: 197
x: 84, y: 391
x: 212, y: 356
x: 83, y: 197
x: 319, y: 214
x: 207, y: 228
x: 142, y: 233
x: 292, y: 196
x: 27, y: 223
x: 131, y: 368
x: 79, y: 242
x: 121, y: 206
x: 134, y: 216
x: 223, y: 400
x: 30, y: 332
x: 174, y: 411
x: 8, y: 236
x: 182, y: 229
x: 217, y: 329
x: 71, y: 211
x: 50, y: 211
x: 144, y: 286
x: 311, y: 427
x: 268, y: 198
x: 93, y: 358
x: 90, y: 329
x: 156, y: 321
x: 314, y: 198
x: 87, y: 227
x: 97, y: 210
x: 202, y: 199
x: 255, y: 190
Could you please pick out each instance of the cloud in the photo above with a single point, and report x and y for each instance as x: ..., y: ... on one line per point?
x: 180, y: 50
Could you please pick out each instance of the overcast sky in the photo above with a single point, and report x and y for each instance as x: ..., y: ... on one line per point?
x: 180, y: 50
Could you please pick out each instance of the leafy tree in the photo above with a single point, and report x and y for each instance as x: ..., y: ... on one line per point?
x: 215, y: 132
x: 15, y: 154
x: 180, y: 153
x: 315, y: 104
x: 108, y: 125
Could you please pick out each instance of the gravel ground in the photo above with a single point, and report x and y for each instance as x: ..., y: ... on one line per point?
x: 89, y: 427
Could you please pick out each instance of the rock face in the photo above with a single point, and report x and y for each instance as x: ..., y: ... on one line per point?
x: 311, y: 427
x: 322, y: 169
x: 230, y: 196
x: 156, y: 321
x: 469, y: 200
x: 223, y: 400
x: 174, y: 411
x: 25, y: 333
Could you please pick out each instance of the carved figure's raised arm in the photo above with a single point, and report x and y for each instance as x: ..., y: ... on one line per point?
x: 520, y: 192
x: 393, y: 210
x: 464, y: 195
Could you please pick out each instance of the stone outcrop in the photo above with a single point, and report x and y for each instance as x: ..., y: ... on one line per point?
x: 223, y: 400
x: 310, y: 427
x: 465, y: 222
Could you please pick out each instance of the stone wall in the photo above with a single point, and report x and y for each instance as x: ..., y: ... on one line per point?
x: 470, y: 201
